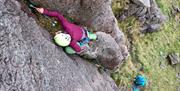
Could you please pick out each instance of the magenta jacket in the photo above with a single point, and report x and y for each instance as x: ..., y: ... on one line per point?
x: 73, y: 30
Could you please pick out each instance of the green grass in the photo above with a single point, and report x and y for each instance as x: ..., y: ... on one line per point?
x: 119, y: 5
x: 150, y: 51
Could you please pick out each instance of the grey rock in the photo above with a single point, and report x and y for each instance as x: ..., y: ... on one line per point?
x: 122, y: 17
x: 141, y: 12
x: 178, y: 75
x: 120, y: 39
x: 142, y: 19
x: 145, y: 3
x: 132, y: 9
x: 105, y: 51
x: 151, y: 18
x: 30, y: 61
x: 151, y: 28
x: 108, y: 51
x: 96, y: 14
x: 162, y: 65
x: 174, y: 58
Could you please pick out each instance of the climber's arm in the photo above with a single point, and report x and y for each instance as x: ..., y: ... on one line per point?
x: 52, y: 14
x: 75, y: 46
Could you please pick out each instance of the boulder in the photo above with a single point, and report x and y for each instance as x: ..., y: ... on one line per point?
x: 30, y: 61
x: 149, y: 28
x: 145, y: 3
x: 174, y: 58
x: 107, y: 51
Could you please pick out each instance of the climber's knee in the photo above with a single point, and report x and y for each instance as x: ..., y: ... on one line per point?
x: 69, y: 50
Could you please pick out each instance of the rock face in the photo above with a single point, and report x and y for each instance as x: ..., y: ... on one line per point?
x: 151, y: 17
x: 145, y: 3
x: 96, y: 14
x: 29, y: 60
x: 105, y: 48
x: 107, y: 53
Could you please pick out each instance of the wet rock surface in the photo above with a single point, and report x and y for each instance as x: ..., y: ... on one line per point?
x: 30, y: 61
x: 151, y: 18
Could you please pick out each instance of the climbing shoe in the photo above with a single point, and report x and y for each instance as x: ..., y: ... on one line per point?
x: 91, y: 36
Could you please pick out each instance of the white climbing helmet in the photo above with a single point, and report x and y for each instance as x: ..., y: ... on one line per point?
x: 62, y: 39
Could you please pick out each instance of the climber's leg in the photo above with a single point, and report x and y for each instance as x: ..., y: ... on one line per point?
x: 91, y: 36
x: 89, y: 54
x: 69, y: 50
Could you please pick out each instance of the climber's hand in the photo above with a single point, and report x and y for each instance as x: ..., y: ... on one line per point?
x: 40, y: 10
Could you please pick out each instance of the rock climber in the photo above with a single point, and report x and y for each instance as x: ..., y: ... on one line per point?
x: 74, y: 35
x: 139, y: 82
